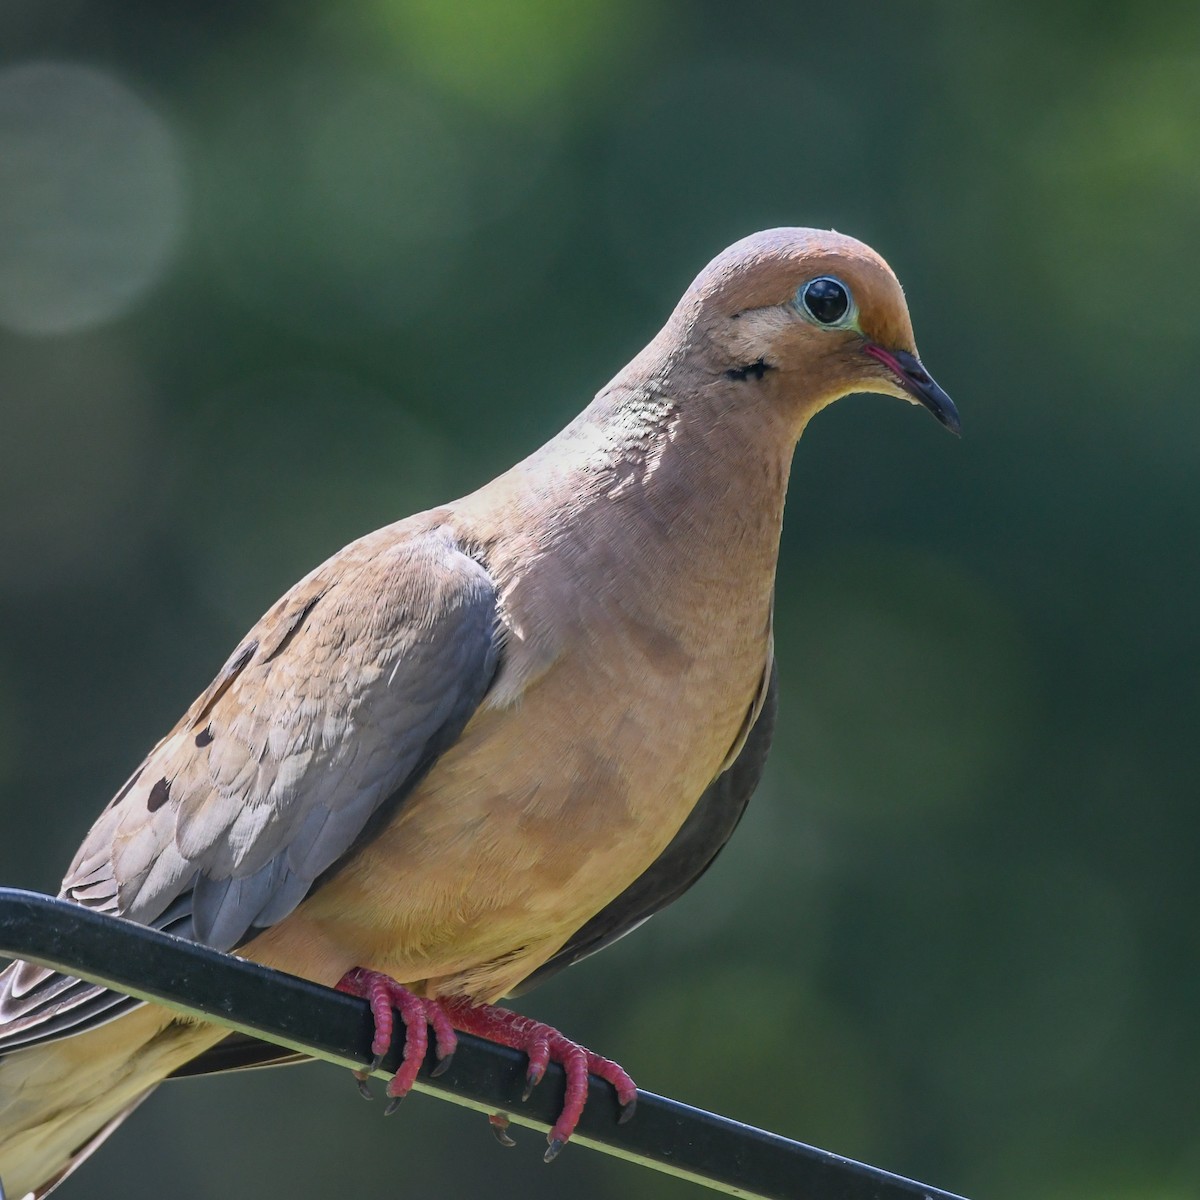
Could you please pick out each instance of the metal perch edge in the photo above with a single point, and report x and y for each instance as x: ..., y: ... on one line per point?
x: 667, y: 1136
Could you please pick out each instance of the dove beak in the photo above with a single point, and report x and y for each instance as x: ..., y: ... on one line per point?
x: 915, y: 380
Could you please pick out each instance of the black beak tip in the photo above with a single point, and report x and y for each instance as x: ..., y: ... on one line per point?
x: 919, y: 384
x: 945, y: 412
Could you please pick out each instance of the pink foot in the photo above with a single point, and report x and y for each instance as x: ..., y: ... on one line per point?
x: 386, y: 996
x: 543, y: 1044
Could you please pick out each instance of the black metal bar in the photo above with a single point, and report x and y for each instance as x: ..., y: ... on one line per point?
x: 665, y: 1135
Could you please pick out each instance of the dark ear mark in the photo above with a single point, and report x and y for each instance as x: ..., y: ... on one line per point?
x: 756, y: 370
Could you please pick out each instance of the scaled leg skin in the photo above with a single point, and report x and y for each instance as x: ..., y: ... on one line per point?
x: 542, y: 1043
x: 386, y: 997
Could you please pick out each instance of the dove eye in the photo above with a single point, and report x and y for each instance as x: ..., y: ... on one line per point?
x: 827, y: 301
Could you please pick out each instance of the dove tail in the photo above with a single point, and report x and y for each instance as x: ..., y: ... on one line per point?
x: 60, y: 1100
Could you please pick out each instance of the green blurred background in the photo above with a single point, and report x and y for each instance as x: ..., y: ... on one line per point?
x: 273, y: 274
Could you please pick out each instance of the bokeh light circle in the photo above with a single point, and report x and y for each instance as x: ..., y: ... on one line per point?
x: 91, y: 197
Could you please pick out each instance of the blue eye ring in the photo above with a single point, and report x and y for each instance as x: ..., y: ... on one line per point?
x: 827, y: 301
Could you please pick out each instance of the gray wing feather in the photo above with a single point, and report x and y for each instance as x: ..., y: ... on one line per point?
x: 689, y: 854
x: 326, y: 715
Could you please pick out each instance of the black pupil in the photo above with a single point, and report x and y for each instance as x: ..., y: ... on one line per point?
x: 826, y: 299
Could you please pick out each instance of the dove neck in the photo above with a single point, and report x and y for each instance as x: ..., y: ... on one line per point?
x: 673, y: 496
x: 689, y: 462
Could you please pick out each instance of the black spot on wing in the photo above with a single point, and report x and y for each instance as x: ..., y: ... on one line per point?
x: 160, y: 793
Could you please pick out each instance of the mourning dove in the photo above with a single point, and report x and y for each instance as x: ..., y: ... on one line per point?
x: 480, y: 744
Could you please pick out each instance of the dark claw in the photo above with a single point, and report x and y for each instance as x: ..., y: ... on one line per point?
x: 552, y: 1150
x: 363, y: 1090
x: 532, y: 1079
x: 627, y: 1111
x: 393, y: 1104
x: 499, y: 1124
x: 376, y: 1063
x: 442, y: 1066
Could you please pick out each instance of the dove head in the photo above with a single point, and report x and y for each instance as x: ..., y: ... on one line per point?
x: 802, y: 317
